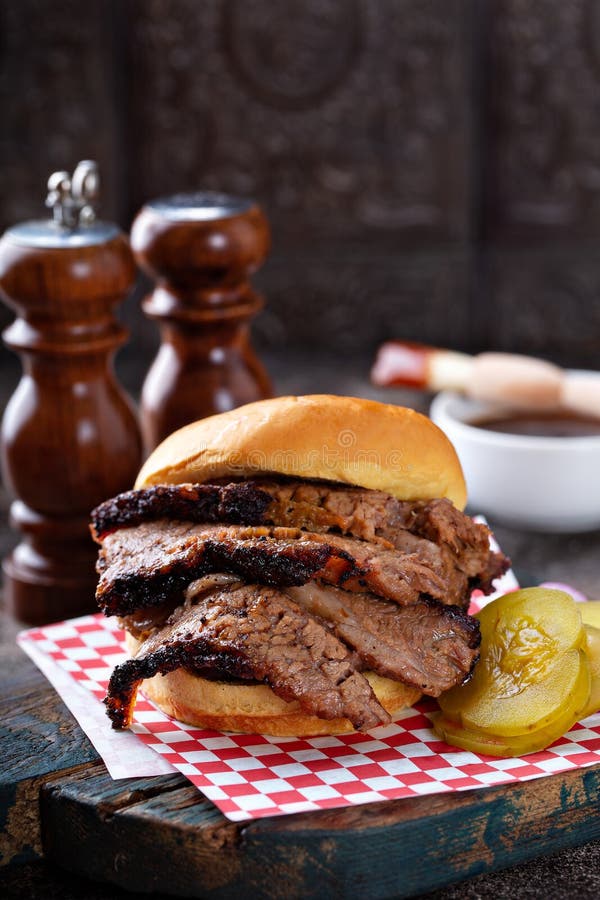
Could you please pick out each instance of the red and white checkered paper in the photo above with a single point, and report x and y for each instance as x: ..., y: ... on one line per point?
x: 250, y: 776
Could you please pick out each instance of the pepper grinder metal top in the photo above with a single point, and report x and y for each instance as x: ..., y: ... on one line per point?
x: 69, y: 435
x: 72, y: 200
x: 200, y: 248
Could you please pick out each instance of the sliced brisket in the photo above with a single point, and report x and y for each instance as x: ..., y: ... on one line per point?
x: 299, y: 585
x: 154, y: 562
x: 143, y: 622
x: 317, y: 507
x: 426, y: 645
x: 453, y: 546
x: 259, y: 633
x: 238, y: 503
x: 463, y: 542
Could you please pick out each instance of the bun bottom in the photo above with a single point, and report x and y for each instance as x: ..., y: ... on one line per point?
x: 254, y: 708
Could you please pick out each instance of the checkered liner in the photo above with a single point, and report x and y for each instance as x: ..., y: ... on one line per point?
x: 250, y: 776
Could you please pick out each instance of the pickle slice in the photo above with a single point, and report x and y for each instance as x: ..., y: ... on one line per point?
x: 593, y: 654
x: 494, y: 745
x: 456, y: 735
x: 532, y: 674
x: 590, y: 613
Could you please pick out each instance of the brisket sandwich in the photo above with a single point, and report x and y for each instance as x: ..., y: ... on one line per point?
x: 297, y: 566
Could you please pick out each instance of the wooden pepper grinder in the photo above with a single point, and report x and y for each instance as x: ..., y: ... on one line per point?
x: 200, y: 248
x: 69, y: 435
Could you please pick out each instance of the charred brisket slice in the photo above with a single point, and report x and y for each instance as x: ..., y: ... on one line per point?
x: 154, y: 562
x: 312, y: 505
x: 237, y: 504
x: 257, y: 633
x: 426, y: 645
x: 445, y: 539
x: 464, y: 542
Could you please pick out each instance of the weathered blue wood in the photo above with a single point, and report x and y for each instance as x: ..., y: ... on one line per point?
x: 111, y: 831
x: 38, y: 739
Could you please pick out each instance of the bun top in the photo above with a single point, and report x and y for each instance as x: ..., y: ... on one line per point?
x: 321, y: 436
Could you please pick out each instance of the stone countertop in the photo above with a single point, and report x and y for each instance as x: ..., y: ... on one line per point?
x: 570, y: 558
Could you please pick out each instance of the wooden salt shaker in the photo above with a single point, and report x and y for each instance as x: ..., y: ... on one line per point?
x: 200, y: 248
x: 69, y: 435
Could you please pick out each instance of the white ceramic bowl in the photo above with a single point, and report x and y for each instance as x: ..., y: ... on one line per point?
x: 536, y: 483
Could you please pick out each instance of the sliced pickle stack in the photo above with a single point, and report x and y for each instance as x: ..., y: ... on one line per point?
x: 538, y: 674
x: 590, y: 613
x: 593, y: 654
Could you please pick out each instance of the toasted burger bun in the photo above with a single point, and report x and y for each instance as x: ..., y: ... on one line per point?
x: 342, y: 439
x: 254, y: 708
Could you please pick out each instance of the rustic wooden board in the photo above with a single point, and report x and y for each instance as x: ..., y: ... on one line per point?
x: 159, y: 834
x: 40, y: 740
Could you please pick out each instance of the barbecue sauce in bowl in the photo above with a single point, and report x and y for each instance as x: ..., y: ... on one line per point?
x: 541, y: 424
x: 531, y: 470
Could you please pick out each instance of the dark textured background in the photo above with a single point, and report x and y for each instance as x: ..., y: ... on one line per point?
x: 431, y: 168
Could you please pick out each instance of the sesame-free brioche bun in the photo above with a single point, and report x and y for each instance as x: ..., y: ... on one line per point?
x: 253, y: 708
x: 321, y: 436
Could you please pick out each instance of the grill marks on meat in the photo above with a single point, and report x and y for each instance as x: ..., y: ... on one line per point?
x: 426, y: 645
x: 260, y: 633
x: 454, y: 547
x: 153, y: 563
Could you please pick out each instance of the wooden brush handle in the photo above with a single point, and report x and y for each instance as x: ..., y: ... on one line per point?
x: 581, y: 393
x: 510, y: 379
x: 408, y: 364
